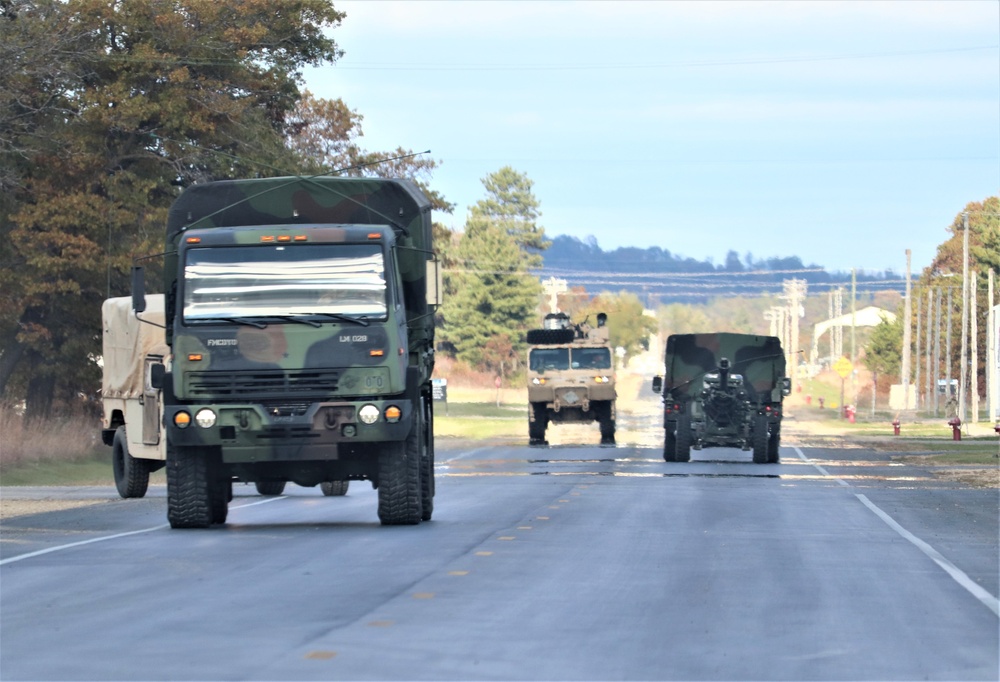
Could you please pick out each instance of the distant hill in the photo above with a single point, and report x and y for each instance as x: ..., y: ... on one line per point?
x: 658, y: 276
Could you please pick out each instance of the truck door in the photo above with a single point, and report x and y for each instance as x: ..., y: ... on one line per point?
x: 150, y: 404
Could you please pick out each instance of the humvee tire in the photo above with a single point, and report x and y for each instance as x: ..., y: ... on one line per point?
x: 189, y: 491
x: 399, y: 488
x: 683, y: 440
x: 270, y: 488
x: 131, y: 474
x: 761, y: 445
x: 550, y: 336
x: 334, y: 488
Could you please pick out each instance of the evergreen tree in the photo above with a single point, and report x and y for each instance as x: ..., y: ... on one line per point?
x: 511, y: 205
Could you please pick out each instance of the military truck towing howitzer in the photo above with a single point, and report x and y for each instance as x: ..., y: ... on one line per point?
x: 299, y: 316
x: 570, y: 376
x: 722, y: 390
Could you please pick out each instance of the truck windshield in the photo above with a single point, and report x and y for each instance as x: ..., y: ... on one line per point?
x: 591, y: 358
x: 541, y: 359
x: 324, y: 280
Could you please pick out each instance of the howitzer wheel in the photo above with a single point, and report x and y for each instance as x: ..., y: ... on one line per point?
x: 270, y: 488
x: 334, y: 488
x: 189, y: 490
x: 761, y: 438
x: 131, y: 474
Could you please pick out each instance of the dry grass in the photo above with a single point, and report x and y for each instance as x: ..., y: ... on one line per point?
x: 61, y: 438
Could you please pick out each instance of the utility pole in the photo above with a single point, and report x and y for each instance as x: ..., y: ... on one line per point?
x: 927, y: 347
x: 947, y: 353
x: 963, y: 367
x: 907, y: 337
x: 795, y: 291
x: 937, y: 349
x: 992, y: 361
x: 553, y: 287
x: 854, y: 326
x: 916, y: 361
x: 974, y: 365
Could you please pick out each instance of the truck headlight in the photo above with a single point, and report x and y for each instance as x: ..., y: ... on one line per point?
x: 205, y: 418
x: 538, y: 381
x: 368, y: 414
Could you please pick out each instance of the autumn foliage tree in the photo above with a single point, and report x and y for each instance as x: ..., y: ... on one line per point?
x: 108, y: 107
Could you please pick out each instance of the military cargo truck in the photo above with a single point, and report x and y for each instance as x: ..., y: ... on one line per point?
x: 723, y: 390
x: 299, y: 315
x: 571, y: 378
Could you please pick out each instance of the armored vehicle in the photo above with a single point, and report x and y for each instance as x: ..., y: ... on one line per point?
x: 299, y: 318
x: 724, y: 390
x: 571, y: 378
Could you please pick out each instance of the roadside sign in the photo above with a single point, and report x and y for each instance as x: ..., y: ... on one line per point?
x: 843, y: 367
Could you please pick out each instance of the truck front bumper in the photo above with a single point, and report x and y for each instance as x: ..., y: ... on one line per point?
x: 258, y: 433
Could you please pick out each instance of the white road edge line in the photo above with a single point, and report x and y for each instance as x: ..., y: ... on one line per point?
x: 59, y: 548
x: 959, y: 576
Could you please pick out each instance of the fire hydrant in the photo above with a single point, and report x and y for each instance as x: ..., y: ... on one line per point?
x: 809, y: 400
x: 956, y: 428
x: 821, y: 401
x: 895, y: 426
x: 849, y: 413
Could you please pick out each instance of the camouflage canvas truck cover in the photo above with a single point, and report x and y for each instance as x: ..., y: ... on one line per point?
x: 132, y: 409
x: 571, y: 378
x: 300, y: 316
x: 722, y: 389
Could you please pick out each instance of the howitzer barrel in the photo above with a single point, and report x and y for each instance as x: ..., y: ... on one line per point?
x: 723, y: 373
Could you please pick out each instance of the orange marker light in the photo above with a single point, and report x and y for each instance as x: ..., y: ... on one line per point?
x: 267, y: 239
x: 193, y: 240
x: 392, y: 413
x: 182, y: 420
x: 284, y: 237
x: 194, y: 357
x: 301, y: 238
x: 376, y: 353
x: 374, y: 235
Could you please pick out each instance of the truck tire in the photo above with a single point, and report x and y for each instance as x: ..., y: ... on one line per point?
x: 189, y: 490
x: 334, y: 488
x: 537, y: 426
x: 427, y: 463
x: 760, y: 440
x: 605, y: 417
x: 131, y: 474
x: 222, y: 493
x: 683, y: 440
x: 550, y: 336
x: 270, y: 488
x: 399, y: 485
x: 670, y: 442
x: 774, y: 446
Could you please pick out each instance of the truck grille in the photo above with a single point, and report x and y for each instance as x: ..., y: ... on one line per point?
x: 262, y: 384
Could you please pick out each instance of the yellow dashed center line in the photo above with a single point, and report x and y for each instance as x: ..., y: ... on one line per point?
x: 506, y: 537
x: 321, y: 655
x: 484, y: 553
x: 542, y: 518
x: 524, y: 527
x: 458, y: 573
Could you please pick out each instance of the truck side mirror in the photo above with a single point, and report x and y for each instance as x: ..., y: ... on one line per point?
x: 157, y: 373
x: 786, y: 386
x: 138, y: 289
x: 657, y: 384
x: 435, y: 286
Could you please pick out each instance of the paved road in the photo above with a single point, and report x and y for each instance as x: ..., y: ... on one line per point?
x: 567, y: 562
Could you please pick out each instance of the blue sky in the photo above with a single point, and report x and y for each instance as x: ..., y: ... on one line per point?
x: 840, y: 132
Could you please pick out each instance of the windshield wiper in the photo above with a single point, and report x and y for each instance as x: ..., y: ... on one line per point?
x: 360, y: 319
x: 235, y: 320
